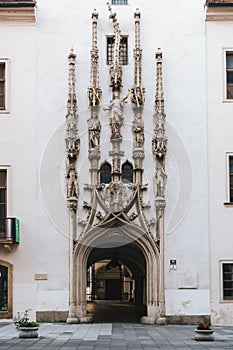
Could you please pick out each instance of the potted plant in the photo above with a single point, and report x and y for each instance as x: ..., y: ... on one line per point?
x: 204, y: 331
x: 26, y: 328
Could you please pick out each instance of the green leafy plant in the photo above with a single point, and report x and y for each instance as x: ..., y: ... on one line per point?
x: 203, y: 326
x: 24, y: 321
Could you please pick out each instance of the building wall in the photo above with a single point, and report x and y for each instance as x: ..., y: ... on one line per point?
x: 17, y: 153
x: 218, y: 38
x: 39, y: 131
x: 182, y: 41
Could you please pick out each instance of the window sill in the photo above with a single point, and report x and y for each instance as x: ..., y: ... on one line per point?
x: 228, y: 204
x: 227, y: 100
x: 4, y: 111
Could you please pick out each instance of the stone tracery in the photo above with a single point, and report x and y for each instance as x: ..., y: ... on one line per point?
x: 118, y: 204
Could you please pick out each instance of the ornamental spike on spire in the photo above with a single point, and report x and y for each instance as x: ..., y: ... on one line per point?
x: 116, y: 67
x: 137, y: 92
x: 159, y: 99
x: 159, y: 140
x: 94, y: 91
x: 72, y: 139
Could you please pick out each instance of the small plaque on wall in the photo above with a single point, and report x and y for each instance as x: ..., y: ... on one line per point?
x: 173, y: 265
x: 41, y: 276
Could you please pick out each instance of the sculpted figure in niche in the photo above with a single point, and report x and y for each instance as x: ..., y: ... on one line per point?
x: 72, y: 182
x: 138, y: 129
x: 94, y: 129
x: 116, y: 110
x: 160, y: 179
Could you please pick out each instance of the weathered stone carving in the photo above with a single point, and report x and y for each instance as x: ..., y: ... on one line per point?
x: 159, y: 149
x: 94, y: 91
x: 116, y: 67
x: 72, y: 182
x: 72, y: 140
x: 138, y: 130
x: 94, y: 95
x: 94, y: 129
x: 159, y: 142
x: 137, y: 92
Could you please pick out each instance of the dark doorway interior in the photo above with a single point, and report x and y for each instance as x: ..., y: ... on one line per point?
x: 116, y: 284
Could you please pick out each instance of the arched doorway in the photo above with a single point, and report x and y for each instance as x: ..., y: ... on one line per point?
x: 5, y: 290
x: 137, y: 252
x: 116, y: 284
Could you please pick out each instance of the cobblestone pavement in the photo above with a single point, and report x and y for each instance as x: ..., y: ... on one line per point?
x: 114, y: 336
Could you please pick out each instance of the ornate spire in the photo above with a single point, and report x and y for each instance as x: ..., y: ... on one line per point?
x: 159, y: 145
x: 72, y: 139
x: 116, y: 67
x: 94, y: 89
x: 138, y: 92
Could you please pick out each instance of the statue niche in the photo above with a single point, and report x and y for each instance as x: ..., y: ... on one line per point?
x: 94, y: 129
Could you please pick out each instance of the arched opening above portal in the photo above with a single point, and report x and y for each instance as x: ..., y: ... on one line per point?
x: 105, y: 173
x: 127, y: 172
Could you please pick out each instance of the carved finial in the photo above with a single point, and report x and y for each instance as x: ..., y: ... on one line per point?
x: 94, y: 91
x: 116, y: 67
x: 137, y: 92
x: 159, y: 100
x: 159, y: 144
x: 72, y: 139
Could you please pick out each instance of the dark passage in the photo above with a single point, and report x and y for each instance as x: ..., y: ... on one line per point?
x: 108, y: 311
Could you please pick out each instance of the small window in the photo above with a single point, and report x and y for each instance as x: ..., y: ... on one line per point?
x: 127, y: 172
x: 3, y: 204
x: 123, y: 50
x: 227, y: 273
x: 229, y: 75
x: 2, y: 86
x: 230, y: 180
x: 105, y: 173
x: 119, y: 2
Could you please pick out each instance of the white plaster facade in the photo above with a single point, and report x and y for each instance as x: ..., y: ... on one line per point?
x: 37, y: 122
x: 218, y: 41
x: 18, y: 153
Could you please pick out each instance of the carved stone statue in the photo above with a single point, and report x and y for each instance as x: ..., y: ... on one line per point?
x: 94, y: 129
x: 160, y: 181
x: 138, y: 129
x: 72, y: 182
x: 116, y: 110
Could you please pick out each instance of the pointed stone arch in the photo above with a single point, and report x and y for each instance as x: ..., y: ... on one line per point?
x: 127, y: 234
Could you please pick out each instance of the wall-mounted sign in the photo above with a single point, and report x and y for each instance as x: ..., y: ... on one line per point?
x: 173, y: 265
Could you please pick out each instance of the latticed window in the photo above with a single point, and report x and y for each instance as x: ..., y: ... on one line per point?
x: 229, y: 74
x: 127, y: 172
x: 227, y: 271
x: 3, y: 195
x: 123, y: 50
x: 2, y: 86
x: 105, y: 173
x: 119, y: 2
x: 231, y: 178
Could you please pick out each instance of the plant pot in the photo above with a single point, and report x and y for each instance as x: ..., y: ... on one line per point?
x: 28, y: 332
x: 204, y: 334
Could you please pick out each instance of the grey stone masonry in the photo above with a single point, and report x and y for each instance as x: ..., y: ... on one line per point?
x: 114, y: 336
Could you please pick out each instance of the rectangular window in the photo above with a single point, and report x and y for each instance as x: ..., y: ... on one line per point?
x: 227, y: 273
x: 229, y: 75
x: 2, y: 86
x: 3, y: 202
x: 123, y: 50
x: 119, y: 2
x: 230, y: 179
